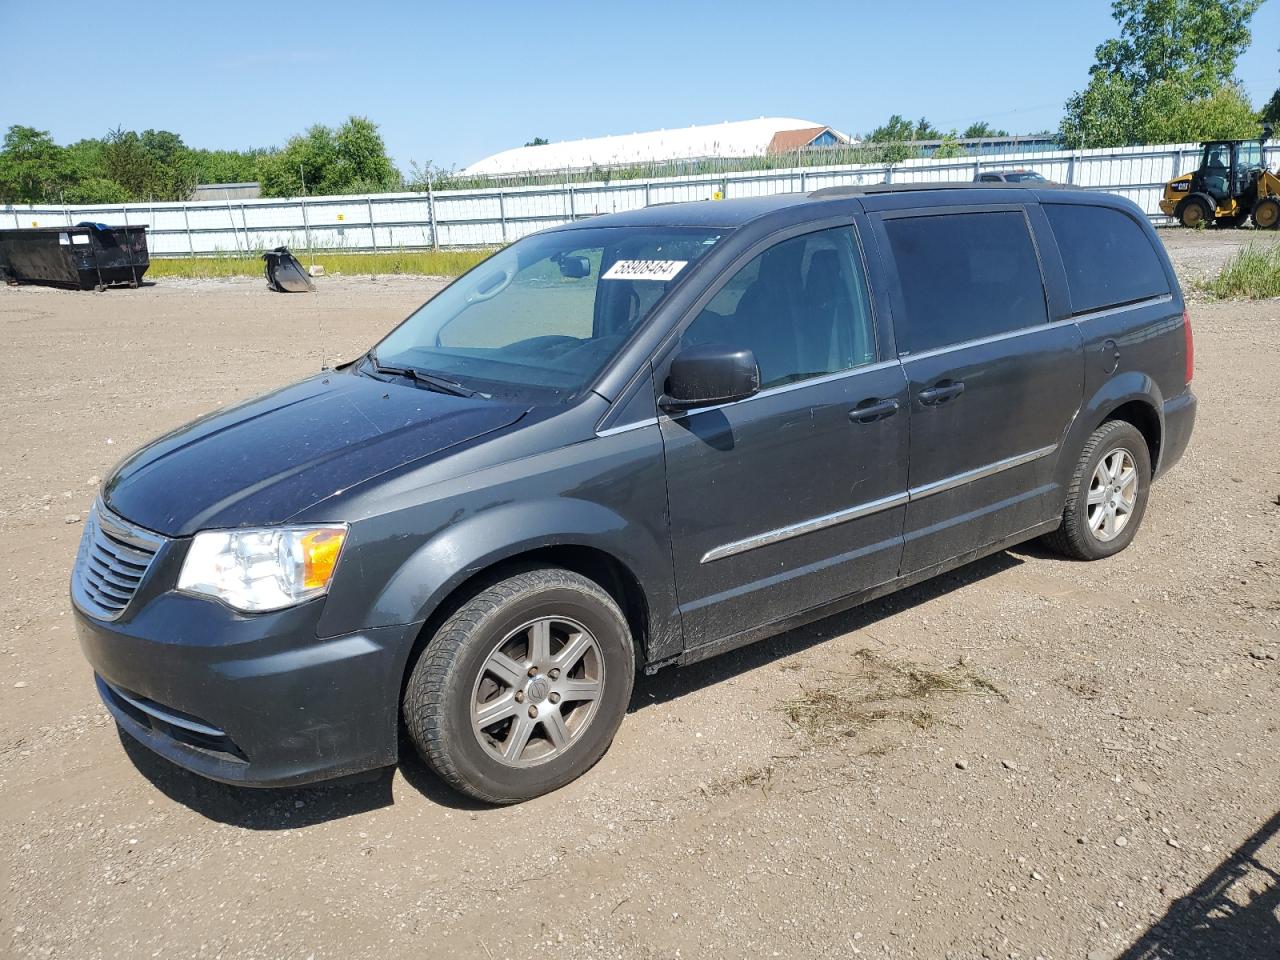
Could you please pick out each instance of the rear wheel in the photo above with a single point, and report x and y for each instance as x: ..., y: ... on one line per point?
x: 522, y: 689
x: 1266, y: 214
x: 1107, y: 496
x: 1195, y: 213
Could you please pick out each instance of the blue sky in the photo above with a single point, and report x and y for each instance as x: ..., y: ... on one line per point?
x: 451, y: 83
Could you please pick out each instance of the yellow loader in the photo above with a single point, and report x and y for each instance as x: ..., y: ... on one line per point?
x: 1231, y: 185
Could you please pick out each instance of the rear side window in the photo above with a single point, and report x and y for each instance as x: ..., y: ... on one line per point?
x: 1108, y: 257
x: 964, y: 276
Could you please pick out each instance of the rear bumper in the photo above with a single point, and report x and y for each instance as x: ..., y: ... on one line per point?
x: 254, y: 701
x: 1179, y: 420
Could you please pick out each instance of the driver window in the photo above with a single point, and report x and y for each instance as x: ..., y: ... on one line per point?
x: 556, y: 302
x: 801, y: 306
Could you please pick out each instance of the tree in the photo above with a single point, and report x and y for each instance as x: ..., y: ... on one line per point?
x: 538, y: 142
x: 1167, y: 114
x: 87, y: 181
x: 152, y: 165
x: 926, y: 131
x: 981, y: 131
x: 950, y: 148
x: 1170, y: 70
x: 1196, y: 42
x: 227, y: 166
x: 351, y: 159
x: 363, y: 164
x: 1100, y: 115
x: 895, y: 129
x: 32, y: 167
x: 1271, y: 112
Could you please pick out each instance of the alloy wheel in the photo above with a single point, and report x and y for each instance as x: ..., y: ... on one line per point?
x: 537, y: 691
x: 1113, y: 494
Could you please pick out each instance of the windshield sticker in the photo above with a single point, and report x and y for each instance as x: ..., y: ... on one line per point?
x: 645, y: 269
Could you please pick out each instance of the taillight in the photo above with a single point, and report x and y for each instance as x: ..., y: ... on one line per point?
x: 1191, y: 346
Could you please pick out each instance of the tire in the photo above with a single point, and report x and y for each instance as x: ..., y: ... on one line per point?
x: 480, y: 657
x: 1194, y: 212
x: 1266, y: 213
x: 1078, y: 537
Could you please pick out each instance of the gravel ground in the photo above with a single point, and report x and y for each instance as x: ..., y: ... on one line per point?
x: 1027, y: 758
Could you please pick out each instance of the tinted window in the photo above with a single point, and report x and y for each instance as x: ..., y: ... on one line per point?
x: 964, y: 276
x: 801, y: 307
x: 1108, y: 257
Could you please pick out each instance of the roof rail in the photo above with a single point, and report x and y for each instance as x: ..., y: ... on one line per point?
x: 859, y: 190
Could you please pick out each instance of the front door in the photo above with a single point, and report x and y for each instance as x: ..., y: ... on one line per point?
x: 793, y: 497
x: 993, y: 383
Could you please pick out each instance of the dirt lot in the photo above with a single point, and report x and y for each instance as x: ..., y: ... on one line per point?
x: 1029, y: 758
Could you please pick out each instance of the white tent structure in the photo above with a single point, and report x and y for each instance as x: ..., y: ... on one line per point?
x: 741, y: 138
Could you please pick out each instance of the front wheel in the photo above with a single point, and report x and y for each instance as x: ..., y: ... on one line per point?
x: 521, y: 690
x: 1107, y: 496
x: 1266, y: 214
x: 1195, y: 213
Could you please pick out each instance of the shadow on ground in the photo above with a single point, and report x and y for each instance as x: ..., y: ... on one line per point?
x: 286, y: 809
x: 1213, y: 921
x: 671, y: 684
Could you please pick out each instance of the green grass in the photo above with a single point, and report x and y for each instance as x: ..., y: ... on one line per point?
x: 1252, y: 274
x: 434, y: 263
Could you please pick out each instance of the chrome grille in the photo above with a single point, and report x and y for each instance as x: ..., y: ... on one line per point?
x: 112, y: 563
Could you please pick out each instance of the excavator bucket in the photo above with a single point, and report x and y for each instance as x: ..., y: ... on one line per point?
x: 284, y: 273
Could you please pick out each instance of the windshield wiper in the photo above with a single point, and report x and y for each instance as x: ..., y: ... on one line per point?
x: 430, y: 380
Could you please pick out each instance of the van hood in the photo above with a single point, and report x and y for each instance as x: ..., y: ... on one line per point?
x: 266, y: 460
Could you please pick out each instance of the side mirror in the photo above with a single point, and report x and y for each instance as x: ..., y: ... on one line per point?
x: 708, y: 374
x: 575, y: 268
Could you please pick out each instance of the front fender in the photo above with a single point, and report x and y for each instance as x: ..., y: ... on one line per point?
x: 505, y: 531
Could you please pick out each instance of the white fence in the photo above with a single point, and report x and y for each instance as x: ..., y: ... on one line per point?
x: 471, y: 218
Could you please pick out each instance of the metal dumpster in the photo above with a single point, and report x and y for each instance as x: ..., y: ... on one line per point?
x: 88, y: 256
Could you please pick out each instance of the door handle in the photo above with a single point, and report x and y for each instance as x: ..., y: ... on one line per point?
x: 871, y: 410
x: 941, y: 393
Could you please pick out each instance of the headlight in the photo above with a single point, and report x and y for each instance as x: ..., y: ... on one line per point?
x: 258, y: 570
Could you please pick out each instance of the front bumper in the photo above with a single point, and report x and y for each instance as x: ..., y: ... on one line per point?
x: 1167, y: 207
x: 250, y: 700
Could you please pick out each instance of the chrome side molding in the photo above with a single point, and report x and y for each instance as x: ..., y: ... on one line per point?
x: 874, y: 506
x: 981, y: 473
x: 805, y: 526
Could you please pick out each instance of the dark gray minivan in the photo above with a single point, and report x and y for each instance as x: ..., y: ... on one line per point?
x: 626, y: 442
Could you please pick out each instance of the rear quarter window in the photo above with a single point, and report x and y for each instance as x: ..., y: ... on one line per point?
x: 1108, y: 257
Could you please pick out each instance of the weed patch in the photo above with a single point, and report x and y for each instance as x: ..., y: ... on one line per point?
x: 882, y: 690
x: 1252, y: 274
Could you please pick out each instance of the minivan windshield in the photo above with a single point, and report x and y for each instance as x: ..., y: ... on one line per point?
x: 540, y: 319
